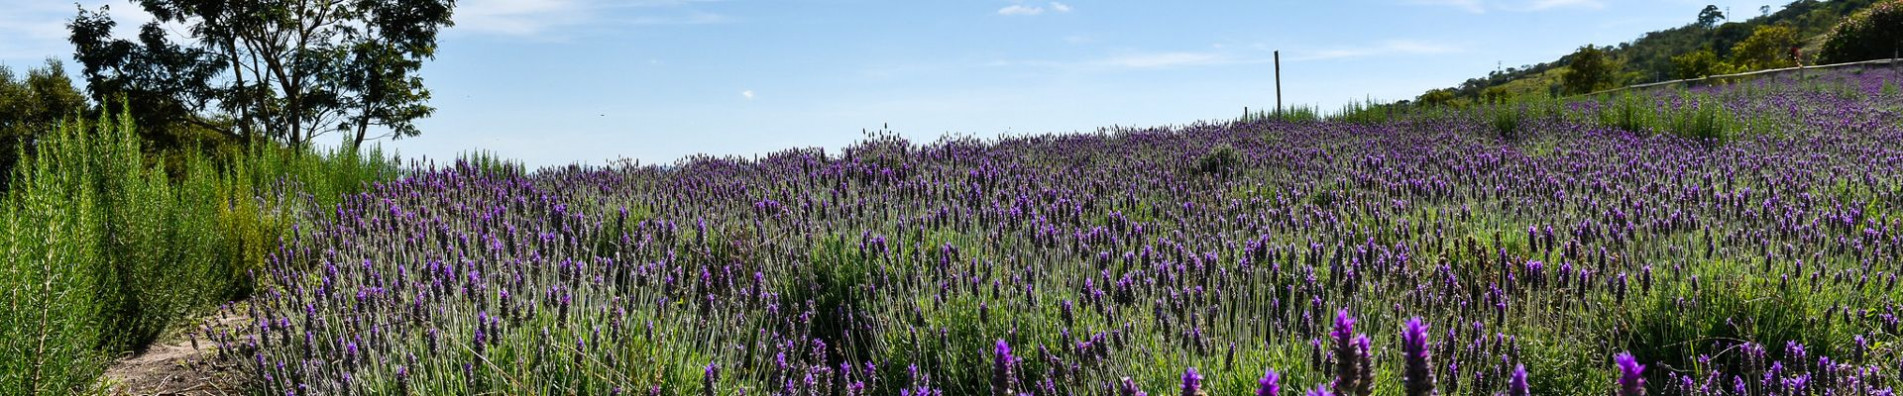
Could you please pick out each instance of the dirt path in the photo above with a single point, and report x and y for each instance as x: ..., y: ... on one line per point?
x: 179, y: 365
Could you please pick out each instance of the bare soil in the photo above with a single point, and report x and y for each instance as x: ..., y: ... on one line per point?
x: 183, y: 363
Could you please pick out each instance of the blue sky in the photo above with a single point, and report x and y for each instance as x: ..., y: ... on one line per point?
x: 553, y: 82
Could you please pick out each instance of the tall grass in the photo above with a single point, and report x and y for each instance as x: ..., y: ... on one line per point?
x: 1296, y: 113
x: 104, y: 253
x: 1686, y: 115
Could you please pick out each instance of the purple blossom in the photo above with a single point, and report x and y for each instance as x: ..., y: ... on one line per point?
x: 1631, y: 375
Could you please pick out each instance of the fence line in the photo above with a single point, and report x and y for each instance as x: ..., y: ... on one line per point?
x: 1874, y: 62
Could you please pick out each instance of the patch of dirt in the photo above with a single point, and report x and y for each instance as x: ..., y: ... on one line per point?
x: 183, y: 363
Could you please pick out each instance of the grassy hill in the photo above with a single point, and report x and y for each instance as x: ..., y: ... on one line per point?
x: 1649, y: 57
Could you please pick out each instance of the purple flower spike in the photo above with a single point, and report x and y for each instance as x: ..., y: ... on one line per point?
x: 1003, y: 370
x: 1516, y: 385
x: 1192, y: 383
x: 710, y: 379
x: 1129, y: 388
x: 1320, y: 391
x: 1631, y: 375
x: 1270, y: 385
x: 1418, y: 377
x: 1354, y: 371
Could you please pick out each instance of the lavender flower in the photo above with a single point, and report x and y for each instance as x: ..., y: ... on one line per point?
x: 710, y: 379
x: 1354, y: 368
x: 1269, y: 385
x: 1192, y: 383
x: 1128, y: 387
x: 1417, y: 373
x: 1631, y: 375
x: 1003, y: 370
x: 1516, y: 384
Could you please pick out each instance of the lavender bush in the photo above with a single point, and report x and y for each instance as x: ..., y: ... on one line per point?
x: 1734, y: 239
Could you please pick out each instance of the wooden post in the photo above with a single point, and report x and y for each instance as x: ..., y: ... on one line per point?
x: 1278, y: 82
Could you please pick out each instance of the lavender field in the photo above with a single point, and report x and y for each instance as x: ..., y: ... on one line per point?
x: 1739, y: 239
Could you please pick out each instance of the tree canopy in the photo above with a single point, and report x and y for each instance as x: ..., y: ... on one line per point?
x: 31, y: 106
x: 1591, y: 69
x: 1710, y: 16
x: 1769, y: 47
x: 288, y: 70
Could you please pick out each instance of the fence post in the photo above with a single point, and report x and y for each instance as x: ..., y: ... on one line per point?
x: 1278, y: 82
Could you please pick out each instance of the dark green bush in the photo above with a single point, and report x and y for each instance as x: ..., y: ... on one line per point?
x: 1223, y: 160
x: 1874, y: 33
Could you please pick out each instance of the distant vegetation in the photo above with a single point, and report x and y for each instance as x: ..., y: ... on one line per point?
x: 1713, y: 43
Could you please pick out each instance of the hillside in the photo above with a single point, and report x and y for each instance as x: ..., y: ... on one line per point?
x: 1649, y: 58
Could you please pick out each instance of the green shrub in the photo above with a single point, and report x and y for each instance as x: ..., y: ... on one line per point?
x: 106, y: 251
x: 1698, y: 117
x: 1223, y: 160
x: 1874, y: 33
x: 1507, y: 121
x: 48, y: 328
x: 1701, y: 119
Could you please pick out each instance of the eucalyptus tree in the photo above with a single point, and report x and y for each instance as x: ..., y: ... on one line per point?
x: 288, y: 70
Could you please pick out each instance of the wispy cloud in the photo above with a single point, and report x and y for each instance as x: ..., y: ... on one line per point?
x: 1031, y: 10
x: 540, y: 17
x: 1473, y: 6
x: 1162, y: 60
x: 1141, y: 61
x: 747, y: 94
x: 1396, y: 47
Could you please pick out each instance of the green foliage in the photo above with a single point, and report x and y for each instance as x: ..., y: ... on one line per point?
x: 1769, y: 47
x: 1677, y: 325
x: 1874, y: 33
x: 1710, y: 16
x: 106, y: 252
x: 1890, y: 89
x: 1221, y: 161
x: 1289, y: 114
x: 48, y: 327
x: 1507, y: 120
x: 263, y: 69
x: 1695, y: 117
x: 1649, y: 57
x: 1369, y: 112
x: 30, y: 106
x: 1590, y: 69
x: 834, y: 287
x: 1436, y: 97
x: 1698, y: 64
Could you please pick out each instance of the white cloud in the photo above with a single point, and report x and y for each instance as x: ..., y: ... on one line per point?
x: 747, y: 94
x: 1031, y: 10
x: 1020, y: 10
x: 1396, y: 47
